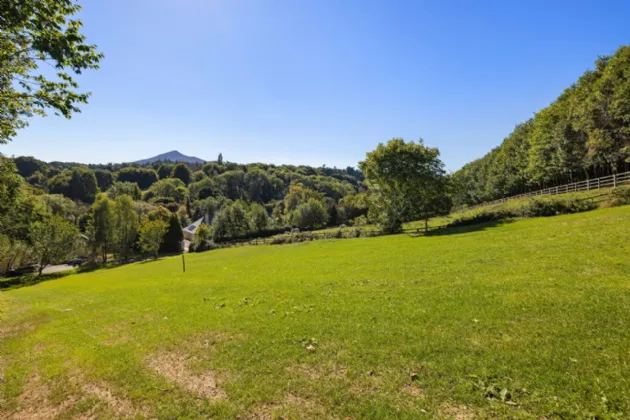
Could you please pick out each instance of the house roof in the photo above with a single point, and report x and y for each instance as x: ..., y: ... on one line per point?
x: 192, y: 228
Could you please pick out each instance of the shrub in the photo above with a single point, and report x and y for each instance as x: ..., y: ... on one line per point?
x: 551, y: 206
x: 620, y: 196
x: 533, y: 207
x: 174, y: 236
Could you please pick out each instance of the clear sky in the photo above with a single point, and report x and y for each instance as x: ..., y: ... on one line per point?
x: 321, y: 81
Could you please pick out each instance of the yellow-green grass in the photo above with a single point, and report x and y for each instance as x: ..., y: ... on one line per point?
x: 528, y: 319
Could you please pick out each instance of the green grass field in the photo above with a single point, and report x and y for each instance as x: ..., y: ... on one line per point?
x: 524, y: 319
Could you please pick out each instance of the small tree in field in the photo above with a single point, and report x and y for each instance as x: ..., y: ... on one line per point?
x: 125, y: 227
x: 53, y: 240
x: 101, y: 227
x: 404, y: 179
x: 151, y: 234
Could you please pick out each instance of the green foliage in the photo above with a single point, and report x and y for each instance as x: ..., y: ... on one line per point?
x: 311, y: 214
x: 27, y: 166
x: 101, y: 228
x: 144, y: 177
x: 181, y: 172
x: 198, y: 176
x: 202, y: 240
x: 406, y: 179
x: 76, y: 184
x: 125, y: 227
x: 36, y: 32
x: 620, y: 197
x: 150, y: 236
x: 583, y: 134
x: 124, y: 188
x: 231, y: 184
x: 352, y: 207
x: 231, y: 222
x: 10, y: 183
x: 82, y: 185
x: 203, y: 189
x: 542, y: 206
x: 259, y: 219
x: 164, y: 170
x: 172, y: 188
x: 58, y: 205
x: 174, y: 236
x: 104, y: 179
x: 298, y: 194
x: 53, y: 240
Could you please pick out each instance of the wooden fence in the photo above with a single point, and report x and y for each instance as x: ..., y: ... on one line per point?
x: 589, y: 184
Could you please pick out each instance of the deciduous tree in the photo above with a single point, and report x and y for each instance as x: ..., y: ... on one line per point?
x: 53, y: 240
x: 36, y: 32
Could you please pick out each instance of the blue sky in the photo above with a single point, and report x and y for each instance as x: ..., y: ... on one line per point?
x: 322, y: 81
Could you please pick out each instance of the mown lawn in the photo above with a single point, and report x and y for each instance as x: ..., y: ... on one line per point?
x: 527, y: 319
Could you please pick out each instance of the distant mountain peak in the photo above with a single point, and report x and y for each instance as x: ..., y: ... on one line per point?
x: 172, y: 156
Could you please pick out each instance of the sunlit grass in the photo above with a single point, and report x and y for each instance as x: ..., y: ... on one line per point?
x: 526, y: 319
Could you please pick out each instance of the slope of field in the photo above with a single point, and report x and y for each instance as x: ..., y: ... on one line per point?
x: 527, y: 319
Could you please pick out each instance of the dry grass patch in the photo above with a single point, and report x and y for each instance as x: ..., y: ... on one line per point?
x: 414, y: 391
x: 122, y: 407
x: 176, y: 368
x: 16, y: 329
x: 457, y: 412
x: 35, y: 402
x: 292, y: 407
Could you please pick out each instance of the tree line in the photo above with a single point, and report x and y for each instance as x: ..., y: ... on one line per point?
x: 584, y: 133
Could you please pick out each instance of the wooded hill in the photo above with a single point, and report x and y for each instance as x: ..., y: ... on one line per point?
x: 584, y: 134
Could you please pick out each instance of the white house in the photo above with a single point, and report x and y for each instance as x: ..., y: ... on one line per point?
x: 189, y: 231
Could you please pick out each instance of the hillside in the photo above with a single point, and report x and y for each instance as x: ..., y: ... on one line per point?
x: 172, y: 156
x: 524, y: 319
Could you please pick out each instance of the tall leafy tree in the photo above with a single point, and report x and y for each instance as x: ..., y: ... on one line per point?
x: 83, y: 185
x: 182, y: 172
x: 402, y: 177
x: 125, y: 227
x: 102, y: 225
x: 174, y: 236
x: 32, y: 33
x: 144, y: 177
x: 53, y: 240
x: 104, y: 179
x: 151, y: 235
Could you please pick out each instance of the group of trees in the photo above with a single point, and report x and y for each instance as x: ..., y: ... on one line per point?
x: 122, y: 209
x: 585, y: 133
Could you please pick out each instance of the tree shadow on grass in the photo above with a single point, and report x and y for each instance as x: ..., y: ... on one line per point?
x: 457, y: 230
x: 30, y: 279
x: 25, y: 280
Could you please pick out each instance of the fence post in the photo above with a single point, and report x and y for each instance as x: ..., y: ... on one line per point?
x: 598, y: 183
x: 588, y: 185
x: 614, y: 180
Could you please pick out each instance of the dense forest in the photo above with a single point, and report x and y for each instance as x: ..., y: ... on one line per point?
x: 105, y: 201
x: 584, y: 134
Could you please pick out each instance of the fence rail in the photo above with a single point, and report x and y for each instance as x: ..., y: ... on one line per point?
x: 590, y: 184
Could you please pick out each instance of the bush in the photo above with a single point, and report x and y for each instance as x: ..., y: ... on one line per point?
x: 533, y: 207
x: 620, y: 196
x: 552, y: 206
x: 173, y: 237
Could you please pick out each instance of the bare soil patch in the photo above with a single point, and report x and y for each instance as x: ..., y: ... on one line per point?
x: 458, y: 412
x: 176, y: 368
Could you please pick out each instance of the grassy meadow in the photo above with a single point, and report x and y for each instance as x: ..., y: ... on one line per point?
x: 520, y: 319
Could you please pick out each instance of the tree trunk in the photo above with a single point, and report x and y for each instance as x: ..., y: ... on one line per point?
x: 426, y: 225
